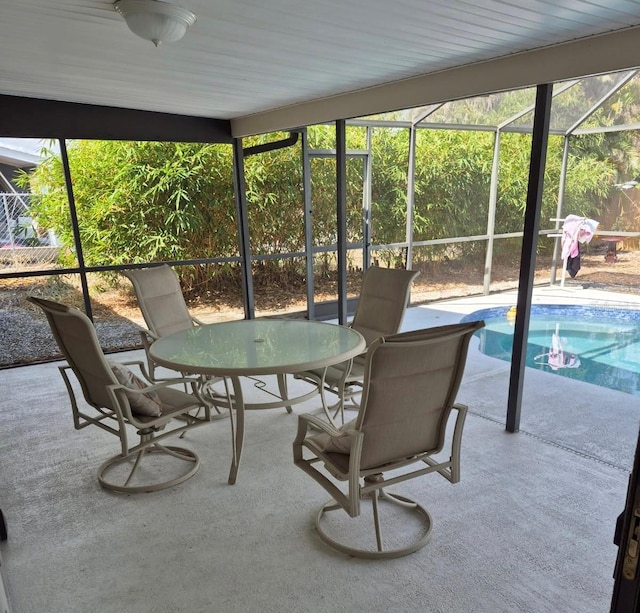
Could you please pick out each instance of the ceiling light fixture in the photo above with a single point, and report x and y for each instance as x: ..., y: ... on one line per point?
x: 155, y: 20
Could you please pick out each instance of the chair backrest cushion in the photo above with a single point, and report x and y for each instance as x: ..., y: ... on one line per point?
x: 141, y: 403
x: 160, y: 299
x: 383, y: 301
x: 411, y: 382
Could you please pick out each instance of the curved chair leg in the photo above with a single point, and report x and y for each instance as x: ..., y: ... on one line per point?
x: 283, y: 389
x: 333, y: 410
x: 380, y: 552
x: 209, y: 395
x: 180, y: 453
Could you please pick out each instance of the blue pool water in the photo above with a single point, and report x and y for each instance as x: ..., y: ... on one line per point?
x: 599, y: 345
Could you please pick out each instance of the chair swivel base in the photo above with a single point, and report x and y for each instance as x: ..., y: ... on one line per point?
x: 419, y: 512
x: 191, y: 459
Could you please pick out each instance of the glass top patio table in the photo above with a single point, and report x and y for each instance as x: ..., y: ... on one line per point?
x: 257, y: 346
x: 235, y: 349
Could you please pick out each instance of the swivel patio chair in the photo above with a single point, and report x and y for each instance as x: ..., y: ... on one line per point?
x: 165, y: 311
x: 383, y: 301
x: 162, y: 305
x: 410, y: 384
x: 117, y: 400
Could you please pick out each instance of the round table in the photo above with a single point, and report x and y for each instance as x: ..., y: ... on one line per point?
x: 257, y: 347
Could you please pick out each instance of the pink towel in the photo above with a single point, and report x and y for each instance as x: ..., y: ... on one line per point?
x: 576, y: 230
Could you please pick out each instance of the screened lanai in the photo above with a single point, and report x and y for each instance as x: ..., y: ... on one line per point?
x: 469, y: 221
x: 319, y: 151
x: 252, y: 70
x: 601, y: 105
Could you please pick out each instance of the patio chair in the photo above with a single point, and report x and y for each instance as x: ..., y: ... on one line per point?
x: 410, y: 385
x: 383, y: 301
x: 118, y: 400
x: 165, y: 311
x: 162, y: 305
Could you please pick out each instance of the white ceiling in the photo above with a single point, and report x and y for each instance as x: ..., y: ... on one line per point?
x: 271, y: 64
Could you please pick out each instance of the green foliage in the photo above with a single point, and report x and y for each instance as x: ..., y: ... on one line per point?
x: 453, y: 175
x: 390, y: 161
x: 274, y: 198
x: 142, y: 202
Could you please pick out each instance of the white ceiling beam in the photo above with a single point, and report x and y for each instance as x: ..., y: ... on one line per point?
x: 604, y: 53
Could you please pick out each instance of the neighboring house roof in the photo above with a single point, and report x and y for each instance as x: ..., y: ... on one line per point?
x: 20, y: 152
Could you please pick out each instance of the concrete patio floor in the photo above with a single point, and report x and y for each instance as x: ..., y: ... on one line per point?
x: 528, y: 528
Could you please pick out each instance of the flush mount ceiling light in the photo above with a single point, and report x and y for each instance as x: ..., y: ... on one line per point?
x: 156, y: 20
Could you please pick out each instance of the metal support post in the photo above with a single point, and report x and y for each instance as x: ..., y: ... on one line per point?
x: 528, y: 256
x: 243, y: 228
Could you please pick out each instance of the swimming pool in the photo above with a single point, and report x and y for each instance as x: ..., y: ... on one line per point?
x: 599, y: 345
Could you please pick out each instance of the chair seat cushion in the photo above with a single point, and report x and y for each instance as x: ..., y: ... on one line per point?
x: 334, y: 374
x: 174, y: 400
x: 142, y: 403
x: 332, y: 444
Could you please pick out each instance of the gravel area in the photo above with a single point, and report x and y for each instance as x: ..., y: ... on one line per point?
x: 25, y: 337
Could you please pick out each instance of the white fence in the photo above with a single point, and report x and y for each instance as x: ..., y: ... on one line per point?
x: 23, y: 244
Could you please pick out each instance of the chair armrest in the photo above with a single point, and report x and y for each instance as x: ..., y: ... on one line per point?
x: 457, y: 441
x: 162, y: 384
x: 148, y: 336
x: 168, y: 380
x: 351, y: 503
x: 141, y: 366
x: 306, y: 420
x: 341, y: 440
